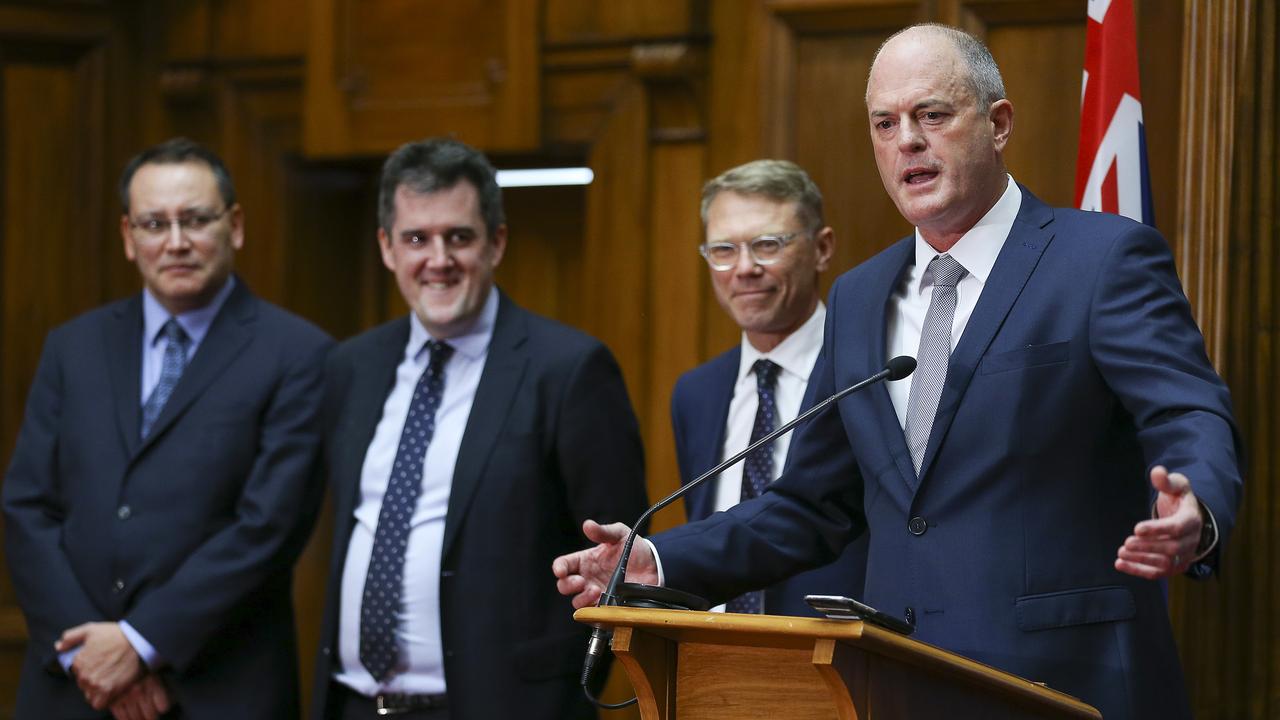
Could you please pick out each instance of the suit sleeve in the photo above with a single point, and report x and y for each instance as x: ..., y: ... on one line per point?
x: 598, y: 445
x: 1151, y: 353
x: 275, y: 513
x: 43, y: 579
x: 804, y: 519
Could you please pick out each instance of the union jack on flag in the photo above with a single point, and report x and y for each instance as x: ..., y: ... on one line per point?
x: 1111, y: 169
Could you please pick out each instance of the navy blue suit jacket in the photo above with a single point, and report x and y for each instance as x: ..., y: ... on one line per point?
x: 1080, y: 367
x: 551, y: 441
x: 189, y: 535
x: 699, y: 412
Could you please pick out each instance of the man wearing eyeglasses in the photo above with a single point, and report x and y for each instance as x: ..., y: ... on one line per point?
x: 766, y: 245
x: 164, y: 477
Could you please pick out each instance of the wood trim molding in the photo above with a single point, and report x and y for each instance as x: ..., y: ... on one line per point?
x: 1215, y: 43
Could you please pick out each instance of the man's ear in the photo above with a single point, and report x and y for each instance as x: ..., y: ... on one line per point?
x: 130, y: 251
x: 384, y: 247
x: 1001, y: 123
x: 824, y: 245
x: 237, y: 226
x: 499, y: 240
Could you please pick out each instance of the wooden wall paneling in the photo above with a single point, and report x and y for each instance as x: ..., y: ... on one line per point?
x: 259, y: 29
x: 675, y: 77
x: 1041, y: 56
x: 581, y: 86
x: 1227, y: 253
x: 615, y: 266
x: 54, y: 246
x: 379, y: 74
x: 592, y: 22
x: 818, y: 56
x: 1159, y: 25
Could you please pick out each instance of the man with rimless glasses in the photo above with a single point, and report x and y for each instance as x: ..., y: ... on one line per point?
x: 766, y: 244
x: 164, y: 479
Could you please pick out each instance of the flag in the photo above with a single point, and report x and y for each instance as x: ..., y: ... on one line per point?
x: 1111, y: 169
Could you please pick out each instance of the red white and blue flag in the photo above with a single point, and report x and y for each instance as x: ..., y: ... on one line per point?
x: 1111, y: 169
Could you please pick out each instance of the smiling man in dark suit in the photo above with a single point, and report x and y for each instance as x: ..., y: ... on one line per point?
x: 164, y: 478
x: 766, y: 245
x: 465, y: 444
x: 1008, y: 487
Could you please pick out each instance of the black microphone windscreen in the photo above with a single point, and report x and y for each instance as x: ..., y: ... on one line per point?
x: 900, y: 367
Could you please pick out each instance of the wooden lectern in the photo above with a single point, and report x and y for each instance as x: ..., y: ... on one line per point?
x: 700, y: 665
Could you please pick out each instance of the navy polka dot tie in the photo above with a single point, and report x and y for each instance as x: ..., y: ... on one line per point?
x: 171, y: 367
x: 757, y: 469
x: 380, y: 604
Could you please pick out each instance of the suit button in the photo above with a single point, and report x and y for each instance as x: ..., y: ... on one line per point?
x: 448, y: 653
x: 117, y: 586
x: 124, y: 512
x: 917, y: 526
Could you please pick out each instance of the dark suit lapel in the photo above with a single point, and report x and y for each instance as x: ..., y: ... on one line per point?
x: 231, y: 330
x: 1017, y: 259
x: 122, y: 340
x: 885, y: 284
x: 504, y: 370
x: 719, y: 390
x: 370, y: 384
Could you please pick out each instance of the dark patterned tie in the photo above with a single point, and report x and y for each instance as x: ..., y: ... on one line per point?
x: 380, y: 604
x: 933, y: 356
x: 175, y: 361
x: 757, y: 469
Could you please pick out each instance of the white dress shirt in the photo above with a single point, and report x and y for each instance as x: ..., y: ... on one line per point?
x: 420, y: 665
x: 976, y: 251
x: 796, y: 356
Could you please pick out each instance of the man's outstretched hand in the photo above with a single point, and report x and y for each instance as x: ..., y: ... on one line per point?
x: 585, y: 574
x: 1165, y: 545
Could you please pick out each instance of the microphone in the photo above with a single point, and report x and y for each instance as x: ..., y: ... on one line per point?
x: 642, y: 595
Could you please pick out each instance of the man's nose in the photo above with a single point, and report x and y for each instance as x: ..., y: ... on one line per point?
x: 910, y: 137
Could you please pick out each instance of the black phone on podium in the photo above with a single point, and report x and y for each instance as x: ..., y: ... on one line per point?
x: 839, y: 607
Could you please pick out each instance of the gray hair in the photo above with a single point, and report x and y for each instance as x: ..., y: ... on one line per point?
x: 435, y: 164
x: 984, y: 75
x: 780, y: 180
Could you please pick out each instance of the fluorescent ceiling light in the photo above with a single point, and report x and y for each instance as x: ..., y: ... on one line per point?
x: 544, y: 177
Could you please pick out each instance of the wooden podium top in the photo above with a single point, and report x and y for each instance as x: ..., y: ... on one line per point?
x: 795, y: 633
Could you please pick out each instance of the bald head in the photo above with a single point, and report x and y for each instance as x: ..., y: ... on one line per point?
x: 979, y: 69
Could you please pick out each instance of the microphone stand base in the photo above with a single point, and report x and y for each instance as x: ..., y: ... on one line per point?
x: 639, y: 595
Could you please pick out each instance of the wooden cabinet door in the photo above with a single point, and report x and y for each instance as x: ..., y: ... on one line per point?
x: 383, y: 72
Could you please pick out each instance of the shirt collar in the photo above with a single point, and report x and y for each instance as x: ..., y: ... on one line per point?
x: 196, y: 322
x: 978, y: 248
x: 796, y: 354
x: 471, y: 344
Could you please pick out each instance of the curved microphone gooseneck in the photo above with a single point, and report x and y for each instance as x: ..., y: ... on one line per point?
x: 642, y: 595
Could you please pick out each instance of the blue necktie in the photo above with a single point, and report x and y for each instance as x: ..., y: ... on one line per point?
x: 380, y: 604
x: 175, y: 361
x: 757, y: 469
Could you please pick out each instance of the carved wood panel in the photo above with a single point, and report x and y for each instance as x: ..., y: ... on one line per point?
x: 383, y: 72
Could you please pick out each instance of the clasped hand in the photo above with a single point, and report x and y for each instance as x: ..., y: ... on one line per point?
x: 110, y: 674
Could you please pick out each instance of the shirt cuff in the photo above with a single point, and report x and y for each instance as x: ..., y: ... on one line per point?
x: 662, y: 582
x: 65, y: 658
x: 1208, y: 536
x: 140, y: 645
